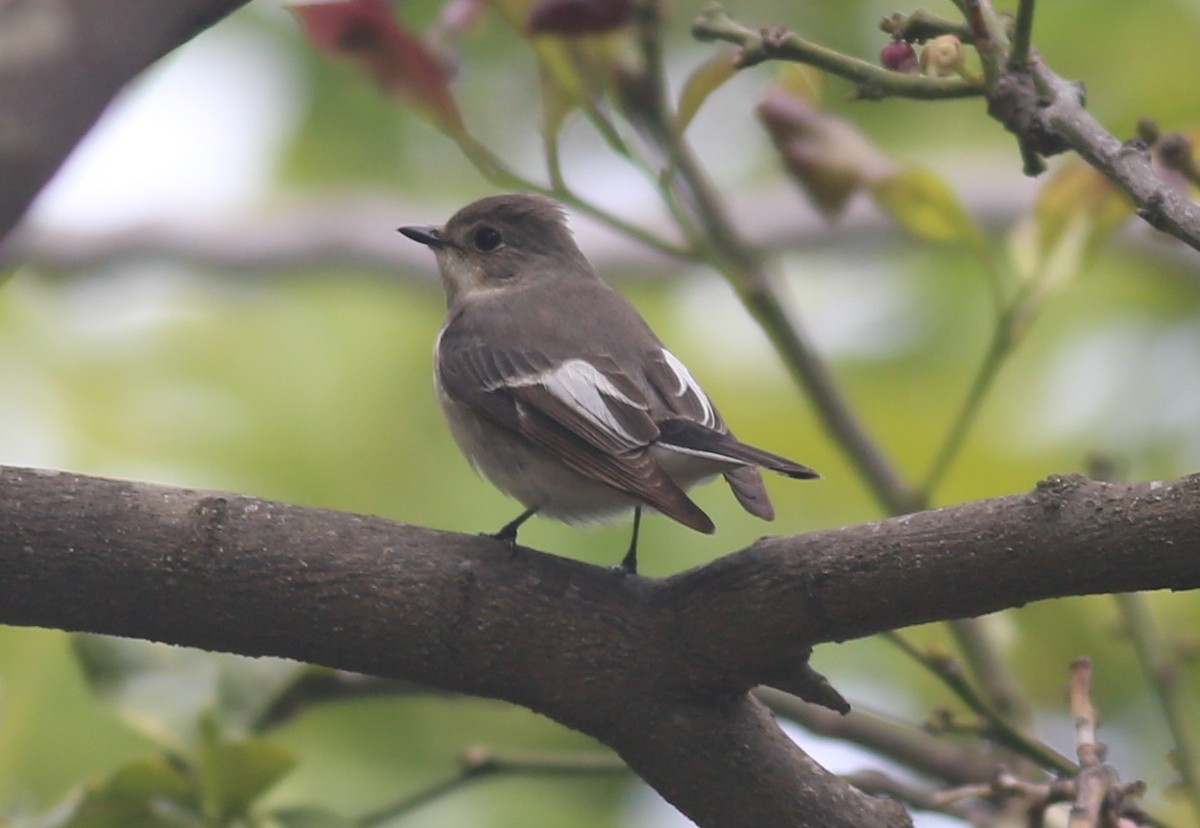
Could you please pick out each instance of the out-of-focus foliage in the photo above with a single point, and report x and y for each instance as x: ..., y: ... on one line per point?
x: 314, y: 387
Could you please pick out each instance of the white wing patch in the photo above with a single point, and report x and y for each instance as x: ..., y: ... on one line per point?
x: 687, y: 383
x: 584, y: 388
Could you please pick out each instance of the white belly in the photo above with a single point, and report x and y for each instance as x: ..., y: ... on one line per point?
x: 538, y: 480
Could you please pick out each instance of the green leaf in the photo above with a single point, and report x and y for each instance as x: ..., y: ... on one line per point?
x: 157, y: 689
x: 308, y: 818
x: 1078, y: 192
x: 924, y: 205
x: 145, y: 793
x: 161, y: 691
x: 801, y: 81
x: 234, y: 773
x: 704, y: 80
x: 1077, y: 210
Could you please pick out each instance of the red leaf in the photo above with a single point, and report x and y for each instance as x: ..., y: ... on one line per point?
x: 367, y: 32
x: 571, y: 18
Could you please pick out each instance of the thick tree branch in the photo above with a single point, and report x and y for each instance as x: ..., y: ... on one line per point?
x: 656, y: 669
x: 61, y: 62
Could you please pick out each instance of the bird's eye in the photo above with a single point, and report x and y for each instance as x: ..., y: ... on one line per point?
x: 486, y: 239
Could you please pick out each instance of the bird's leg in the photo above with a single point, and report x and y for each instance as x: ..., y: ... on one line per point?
x: 508, y: 532
x: 628, y: 565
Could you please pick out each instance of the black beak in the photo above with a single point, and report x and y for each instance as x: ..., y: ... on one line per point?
x: 426, y: 234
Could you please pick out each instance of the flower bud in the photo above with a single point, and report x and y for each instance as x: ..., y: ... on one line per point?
x: 826, y: 155
x: 943, y: 56
x: 899, y: 56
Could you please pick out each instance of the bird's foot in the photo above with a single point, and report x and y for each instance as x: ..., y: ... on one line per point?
x: 508, y: 537
x: 508, y: 532
x: 627, y: 566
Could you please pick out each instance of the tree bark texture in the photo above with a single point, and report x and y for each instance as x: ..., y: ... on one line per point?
x: 61, y: 62
x: 658, y: 669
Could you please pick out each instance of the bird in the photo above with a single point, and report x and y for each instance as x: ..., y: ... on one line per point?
x: 559, y: 393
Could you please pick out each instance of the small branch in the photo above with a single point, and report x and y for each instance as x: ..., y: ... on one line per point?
x: 478, y: 763
x: 1098, y: 797
x: 921, y: 25
x: 743, y: 267
x: 1092, y: 786
x: 990, y: 37
x: 994, y: 676
x: 998, y: 349
x: 892, y: 491
x: 998, y: 727
x: 1034, y: 797
x: 1061, y: 122
x: 317, y: 686
x: 497, y: 172
x: 877, y: 783
x: 1079, y: 697
x: 1162, y: 673
x: 910, y: 746
x: 1044, y: 111
x: 1022, y: 35
x: 874, y: 82
x: 1099, y: 794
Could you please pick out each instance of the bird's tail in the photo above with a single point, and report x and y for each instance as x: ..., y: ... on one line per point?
x: 746, y: 483
x: 693, y: 438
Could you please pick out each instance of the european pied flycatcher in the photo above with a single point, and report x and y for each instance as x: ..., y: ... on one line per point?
x: 557, y: 390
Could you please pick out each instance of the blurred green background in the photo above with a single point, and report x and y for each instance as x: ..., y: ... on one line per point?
x: 312, y: 384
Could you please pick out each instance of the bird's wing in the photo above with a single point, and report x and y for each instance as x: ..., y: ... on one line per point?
x: 681, y: 396
x: 587, y: 413
x: 692, y: 424
x: 688, y: 436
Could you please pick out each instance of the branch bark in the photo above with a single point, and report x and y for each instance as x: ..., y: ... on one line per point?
x: 1044, y: 111
x: 658, y: 670
x: 79, y: 54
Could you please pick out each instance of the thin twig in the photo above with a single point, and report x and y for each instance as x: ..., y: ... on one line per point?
x: 743, y: 267
x: 873, y: 81
x: 1162, y: 673
x: 913, y: 747
x: 500, y: 174
x: 1127, y: 166
x: 1079, y: 695
x: 878, y: 783
x: 714, y: 23
x: 478, y: 763
x: 921, y: 25
x: 990, y: 38
x: 998, y: 350
x: 1022, y: 35
x: 978, y: 647
x: 1045, y: 111
x: 999, y: 728
x: 1091, y: 792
